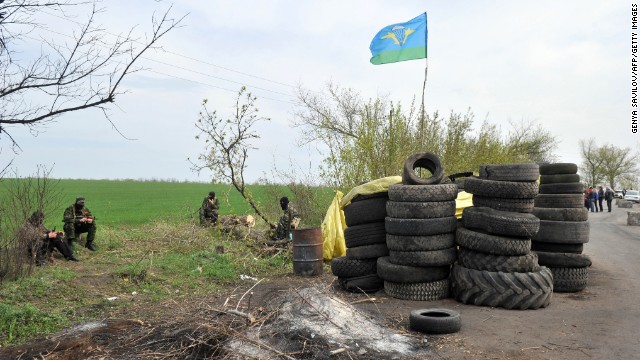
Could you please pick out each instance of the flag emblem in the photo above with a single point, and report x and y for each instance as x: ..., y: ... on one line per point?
x: 400, y: 42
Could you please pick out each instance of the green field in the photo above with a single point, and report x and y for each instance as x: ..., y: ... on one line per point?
x: 128, y: 202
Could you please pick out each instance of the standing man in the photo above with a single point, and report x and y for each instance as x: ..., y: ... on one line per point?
x: 41, y: 240
x: 209, y: 210
x: 600, y: 197
x: 77, y: 220
x: 288, y: 221
x: 608, y: 195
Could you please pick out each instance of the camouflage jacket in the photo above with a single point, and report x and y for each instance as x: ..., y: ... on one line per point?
x: 32, y: 234
x: 71, y: 215
x: 207, y: 209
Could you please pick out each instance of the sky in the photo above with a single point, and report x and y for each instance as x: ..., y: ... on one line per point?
x: 563, y: 64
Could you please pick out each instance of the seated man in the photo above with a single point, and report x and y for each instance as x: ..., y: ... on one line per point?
x: 77, y: 220
x: 41, y: 240
x: 289, y: 221
x: 209, y: 210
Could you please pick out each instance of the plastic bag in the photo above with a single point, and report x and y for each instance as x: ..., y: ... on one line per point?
x: 333, y: 225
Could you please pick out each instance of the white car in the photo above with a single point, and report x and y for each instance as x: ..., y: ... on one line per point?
x: 618, y: 194
x: 632, y: 195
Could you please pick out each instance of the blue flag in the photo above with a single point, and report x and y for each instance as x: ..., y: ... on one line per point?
x: 400, y: 42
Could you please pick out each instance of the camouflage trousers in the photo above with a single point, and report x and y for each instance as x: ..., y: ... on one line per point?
x: 73, y: 231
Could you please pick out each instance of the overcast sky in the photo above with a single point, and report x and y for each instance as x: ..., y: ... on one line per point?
x: 564, y: 64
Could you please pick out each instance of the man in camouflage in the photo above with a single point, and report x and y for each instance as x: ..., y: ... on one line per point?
x: 40, y: 240
x: 288, y: 221
x: 209, y: 210
x: 77, y: 220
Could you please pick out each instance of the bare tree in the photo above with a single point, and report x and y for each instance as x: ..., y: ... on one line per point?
x: 591, y: 162
x: 608, y: 163
x: 83, y: 72
x: 227, y: 144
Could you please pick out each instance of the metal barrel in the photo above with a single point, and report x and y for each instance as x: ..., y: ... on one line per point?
x: 307, y: 251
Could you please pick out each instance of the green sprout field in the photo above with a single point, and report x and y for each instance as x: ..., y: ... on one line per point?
x: 150, y: 250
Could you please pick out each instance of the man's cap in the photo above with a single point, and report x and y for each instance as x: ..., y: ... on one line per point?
x: 80, y: 198
x: 284, y: 199
x: 212, y: 194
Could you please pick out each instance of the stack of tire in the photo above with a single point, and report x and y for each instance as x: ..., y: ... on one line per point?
x: 563, y: 226
x: 420, y: 228
x: 365, y: 239
x: 495, y: 264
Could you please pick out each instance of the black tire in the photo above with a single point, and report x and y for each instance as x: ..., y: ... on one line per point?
x: 559, y: 248
x: 365, y: 234
x: 366, y: 284
x: 492, y: 244
x: 562, y: 260
x: 460, y: 175
x: 510, y: 172
x: 347, y: 268
x: 368, y: 251
x: 435, y: 321
x: 361, y: 197
x: 502, y: 189
x: 500, y: 222
x: 559, y: 179
x: 425, y: 160
x: 421, y: 243
x: 488, y: 262
x: 574, y: 201
x: 566, y: 188
x: 515, y: 205
x: 389, y: 271
x: 561, y: 214
x: 569, y: 279
x: 366, y: 211
x: 423, y: 193
x: 421, y: 227
x: 531, y: 290
x: 424, y: 258
x: 425, y: 291
x: 558, y: 168
x: 420, y: 210
x: 563, y: 232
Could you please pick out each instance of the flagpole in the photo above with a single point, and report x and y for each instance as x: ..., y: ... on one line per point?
x: 423, y: 114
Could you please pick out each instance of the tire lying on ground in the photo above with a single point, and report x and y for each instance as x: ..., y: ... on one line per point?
x: 514, y: 205
x: 500, y: 222
x: 425, y: 291
x: 492, y: 244
x: 365, y: 234
x: 366, y: 283
x: 561, y: 214
x: 502, y: 189
x: 489, y: 262
x: 510, y: 172
x: 366, y: 211
x: 558, y: 168
x: 562, y: 260
x: 563, y: 232
x: 569, y: 279
x: 531, y: 290
x: 410, y: 274
x: 420, y: 243
x: 346, y: 268
x: 420, y: 210
x: 423, y: 193
x: 435, y: 321
x: 421, y: 227
x: 557, y: 248
x: 424, y: 160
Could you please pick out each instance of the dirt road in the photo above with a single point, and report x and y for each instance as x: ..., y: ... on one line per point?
x: 600, y: 322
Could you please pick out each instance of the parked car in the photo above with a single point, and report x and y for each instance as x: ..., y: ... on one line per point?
x: 618, y: 194
x: 632, y: 195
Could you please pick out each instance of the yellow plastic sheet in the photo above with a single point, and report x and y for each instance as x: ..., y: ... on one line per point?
x: 333, y: 225
x: 464, y: 200
x: 372, y: 187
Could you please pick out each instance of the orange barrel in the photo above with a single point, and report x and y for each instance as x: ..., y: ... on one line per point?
x: 307, y: 251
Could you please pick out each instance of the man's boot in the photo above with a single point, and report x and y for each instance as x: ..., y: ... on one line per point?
x: 90, y: 246
x: 41, y: 256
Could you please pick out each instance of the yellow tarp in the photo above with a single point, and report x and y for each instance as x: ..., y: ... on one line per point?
x: 372, y: 187
x: 333, y: 225
x: 464, y: 200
